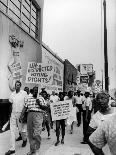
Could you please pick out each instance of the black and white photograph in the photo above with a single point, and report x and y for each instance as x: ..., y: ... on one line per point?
x: 57, y: 77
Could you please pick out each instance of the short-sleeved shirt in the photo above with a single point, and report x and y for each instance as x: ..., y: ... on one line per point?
x: 87, y: 103
x: 105, y: 133
x: 54, y: 98
x: 97, y: 119
x: 42, y: 100
x: 78, y: 100
x: 17, y: 100
x: 31, y: 104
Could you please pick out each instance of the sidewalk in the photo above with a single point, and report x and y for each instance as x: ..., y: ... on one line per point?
x: 71, y: 146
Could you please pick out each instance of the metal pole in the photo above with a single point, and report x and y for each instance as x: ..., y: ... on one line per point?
x: 102, y: 79
x: 105, y: 50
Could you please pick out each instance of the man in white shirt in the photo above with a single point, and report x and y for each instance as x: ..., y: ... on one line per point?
x: 54, y: 98
x: 17, y: 99
x: 78, y: 102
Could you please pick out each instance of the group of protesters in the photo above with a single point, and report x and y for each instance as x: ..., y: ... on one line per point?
x: 31, y: 113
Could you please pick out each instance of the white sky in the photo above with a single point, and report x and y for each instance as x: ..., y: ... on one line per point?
x: 72, y: 29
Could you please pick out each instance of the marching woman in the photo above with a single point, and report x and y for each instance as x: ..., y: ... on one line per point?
x: 60, y: 123
x: 45, y: 102
x: 72, y: 116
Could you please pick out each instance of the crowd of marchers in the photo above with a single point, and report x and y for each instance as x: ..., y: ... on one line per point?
x: 31, y: 113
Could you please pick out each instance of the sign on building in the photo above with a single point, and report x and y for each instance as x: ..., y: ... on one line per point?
x: 39, y: 73
x: 86, y: 68
x: 84, y: 79
x: 56, y: 83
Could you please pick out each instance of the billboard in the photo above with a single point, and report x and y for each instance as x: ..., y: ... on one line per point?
x: 48, y: 57
x: 39, y: 73
x: 86, y: 68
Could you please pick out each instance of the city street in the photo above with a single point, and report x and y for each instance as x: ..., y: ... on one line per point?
x: 71, y: 146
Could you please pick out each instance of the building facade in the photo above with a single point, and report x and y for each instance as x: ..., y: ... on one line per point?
x: 70, y: 76
x: 20, y: 42
x: 57, y: 75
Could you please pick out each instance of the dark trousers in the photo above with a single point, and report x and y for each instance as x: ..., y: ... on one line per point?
x: 62, y: 124
x: 79, y: 106
x: 47, y: 124
x: 86, y: 124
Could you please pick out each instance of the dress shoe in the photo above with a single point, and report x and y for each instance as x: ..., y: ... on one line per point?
x: 84, y: 142
x: 10, y: 152
x: 71, y: 131
x: 49, y: 137
x: 30, y: 153
x: 43, y: 129
x: 62, y: 141
x: 19, y: 138
x: 24, y: 143
x: 57, y: 143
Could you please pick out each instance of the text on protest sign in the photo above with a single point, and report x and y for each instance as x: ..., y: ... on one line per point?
x: 38, y: 73
x: 60, y: 110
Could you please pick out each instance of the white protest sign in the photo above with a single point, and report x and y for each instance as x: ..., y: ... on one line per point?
x: 60, y: 110
x: 39, y: 73
x: 16, y: 70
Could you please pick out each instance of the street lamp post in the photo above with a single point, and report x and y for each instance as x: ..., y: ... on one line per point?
x: 105, y: 50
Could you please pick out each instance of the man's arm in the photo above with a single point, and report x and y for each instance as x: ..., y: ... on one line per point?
x: 95, y: 150
x: 22, y: 114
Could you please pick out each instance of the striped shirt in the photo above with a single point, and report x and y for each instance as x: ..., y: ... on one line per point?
x: 31, y: 104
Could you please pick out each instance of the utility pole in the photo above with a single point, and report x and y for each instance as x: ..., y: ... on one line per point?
x: 102, y: 79
x: 105, y: 50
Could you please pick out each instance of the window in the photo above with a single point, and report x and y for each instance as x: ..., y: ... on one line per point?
x: 23, y: 12
x: 14, y: 10
x: 3, y: 5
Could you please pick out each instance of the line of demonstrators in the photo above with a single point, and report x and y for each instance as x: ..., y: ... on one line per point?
x: 32, y: 110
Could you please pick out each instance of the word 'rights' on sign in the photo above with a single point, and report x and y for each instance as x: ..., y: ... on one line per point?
x: 38, y: 73
x: 60, y: 110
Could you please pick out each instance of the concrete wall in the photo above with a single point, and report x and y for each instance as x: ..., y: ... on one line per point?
x: 50, y: 57
x: 41, y: 4
x: 31, y: 51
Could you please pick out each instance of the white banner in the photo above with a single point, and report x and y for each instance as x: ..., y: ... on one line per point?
x: 58, y: 71
x: 39, y: 73
x: 60, y: 110
x: 16, y: 70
